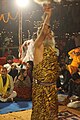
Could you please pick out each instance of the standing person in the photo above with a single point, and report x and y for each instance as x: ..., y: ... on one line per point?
x: 26, y: 50
x: 6, y: 86
x: 45, y: 73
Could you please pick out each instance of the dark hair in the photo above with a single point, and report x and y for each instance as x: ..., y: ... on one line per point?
x: 4, y: 68
x: 75, y: 76
x: 21, y: 72
x: 31, y: 63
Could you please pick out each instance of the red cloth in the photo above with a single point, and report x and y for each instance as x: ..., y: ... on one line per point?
x: 16, y: 61
x: 23, y: 92
x: 2, y: 60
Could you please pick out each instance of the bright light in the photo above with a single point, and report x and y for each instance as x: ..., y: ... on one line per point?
x: 22, y: 3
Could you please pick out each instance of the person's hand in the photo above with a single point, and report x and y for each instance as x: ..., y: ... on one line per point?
x: 46, y: 6
x: 20, y: 77
x: 5, y: 96
x: 47, y: 9
x: 47, y: 14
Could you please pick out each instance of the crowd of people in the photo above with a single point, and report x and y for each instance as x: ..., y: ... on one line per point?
x: 20, y: 80
x: 44, y: 71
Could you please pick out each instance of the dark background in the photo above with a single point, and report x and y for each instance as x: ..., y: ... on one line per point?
x: 65, y: 19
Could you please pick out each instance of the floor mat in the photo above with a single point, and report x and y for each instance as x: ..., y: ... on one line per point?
x: 66, y: 115
x: 15, y: 106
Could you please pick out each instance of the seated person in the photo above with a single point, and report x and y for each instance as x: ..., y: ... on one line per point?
x: 63, y: 80
x: 13, y: 71
x: 74, y: 87
x: 75, y: 55
x: 22, y: 85
x: 6, y: 86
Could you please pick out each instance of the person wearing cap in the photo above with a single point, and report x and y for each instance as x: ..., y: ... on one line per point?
x: 13, y: 71
x: 6, y: 86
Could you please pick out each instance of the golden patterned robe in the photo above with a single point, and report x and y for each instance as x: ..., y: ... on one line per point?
x: 44, y: 97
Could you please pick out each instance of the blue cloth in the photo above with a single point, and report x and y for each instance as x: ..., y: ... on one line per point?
x: 15, y: 106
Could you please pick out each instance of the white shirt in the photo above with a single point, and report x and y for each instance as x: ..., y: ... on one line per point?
x: 27, y: 55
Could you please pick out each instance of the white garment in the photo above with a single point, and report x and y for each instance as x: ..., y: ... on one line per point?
x: 27, y: 55
x: 62, y: 97
x: 13, y: 95
x: 75, y: 104
x: 8, y: 66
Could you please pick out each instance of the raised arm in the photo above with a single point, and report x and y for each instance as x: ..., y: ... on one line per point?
x: 71, y: 53
x: 44, y: 30
x: 74, y: 52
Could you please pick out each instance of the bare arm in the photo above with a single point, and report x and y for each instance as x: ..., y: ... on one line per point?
x: 71, y: 53
x: 44, y: 31
x: 74, y: 52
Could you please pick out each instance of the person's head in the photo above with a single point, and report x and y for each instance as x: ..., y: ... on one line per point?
x: 4, y: 71
x: 8, y: 67
x: 46, y: 5
x: 29, y: 65
x: 49, y: 40
x: 13, y: 66
x: 77, y: 51
x: 23, y: 72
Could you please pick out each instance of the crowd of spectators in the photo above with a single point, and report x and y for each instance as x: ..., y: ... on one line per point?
x: 21, y: 73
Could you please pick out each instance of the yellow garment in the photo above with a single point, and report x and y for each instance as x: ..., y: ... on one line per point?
x: 76, y: 58
x: 72, y: 69
x: 3, y: 89
x: 75, y: 62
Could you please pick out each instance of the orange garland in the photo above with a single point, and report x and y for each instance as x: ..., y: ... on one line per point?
x: 2, y: 17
